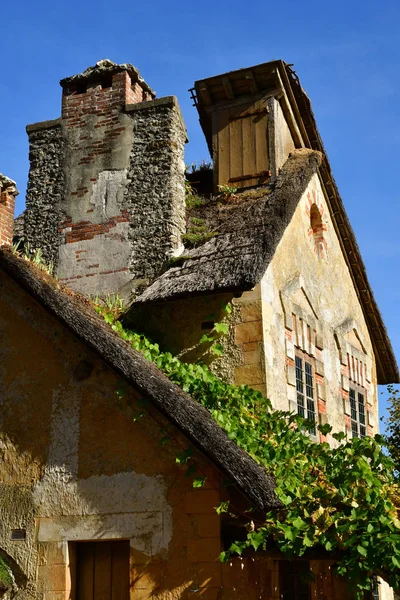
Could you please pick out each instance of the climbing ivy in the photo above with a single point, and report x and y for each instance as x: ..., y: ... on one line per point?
x: 5, y: 576
x: 343, y: 500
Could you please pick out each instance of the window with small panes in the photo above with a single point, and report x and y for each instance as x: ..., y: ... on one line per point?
x: 357, y: 412
x: 305, y: 388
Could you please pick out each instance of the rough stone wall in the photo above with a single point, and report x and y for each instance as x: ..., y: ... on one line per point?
x: 156, y: 188
x: 76, y: 467
x: 309, y: 304
x: 46, y: 185
x: 105, y: 199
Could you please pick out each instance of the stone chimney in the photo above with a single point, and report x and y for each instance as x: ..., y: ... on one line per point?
x: 106, y: 199
x: 8, y: 193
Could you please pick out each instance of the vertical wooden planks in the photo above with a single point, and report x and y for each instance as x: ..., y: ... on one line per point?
x: 236, y: 143
x: 223, y: 128
x: 85, y: 571
x: 260, y: 134
x: 120, y: 570
x: 240, y: 140
x: 102, y: 571
x: 249, y: 146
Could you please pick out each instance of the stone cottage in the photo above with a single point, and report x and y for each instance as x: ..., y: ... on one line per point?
x: 90, y: 506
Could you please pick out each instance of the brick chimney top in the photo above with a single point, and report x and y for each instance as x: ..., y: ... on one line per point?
x: 101, y: 71
x: 8, y: 184
x: 8, y: 193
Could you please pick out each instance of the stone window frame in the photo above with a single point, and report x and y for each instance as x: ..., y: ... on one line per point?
x: 311, y: 344
x: 358, y: 377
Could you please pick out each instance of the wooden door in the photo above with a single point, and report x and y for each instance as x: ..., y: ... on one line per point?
x: 294, y: 580
x: 240, y: 139
x: 102, y: 570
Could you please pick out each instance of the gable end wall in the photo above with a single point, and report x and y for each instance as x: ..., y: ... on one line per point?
x: 308, y: 277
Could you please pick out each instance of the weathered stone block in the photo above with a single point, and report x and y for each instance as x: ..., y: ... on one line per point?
x: 252, y: 356
x: 208, y: 525
x: 249, y: 374
x: 320, y: 336
x: 52, y: 553
x: 202, y: 501
x: 289, y: 349
x: 250, y: 346
x: 322, y: 419
x: 319, y: 367
x: 53, y: 578
x: 249, y: 332
x: 371, y: 418
x: 251, y: 311
x: 345, y: 383
x: 346, y: 406
x: 203, y: 549
x: 291, y: 374
x: 321, y: 391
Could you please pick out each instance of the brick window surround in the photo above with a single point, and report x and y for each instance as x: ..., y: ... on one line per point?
x: 356, y: 375
x: 304, y: 336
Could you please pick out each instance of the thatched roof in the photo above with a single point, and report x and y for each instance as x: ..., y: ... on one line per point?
x: 194, y: 421
x: 236, y: 259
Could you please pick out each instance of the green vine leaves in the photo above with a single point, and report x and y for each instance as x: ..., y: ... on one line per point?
x: 340, y: 501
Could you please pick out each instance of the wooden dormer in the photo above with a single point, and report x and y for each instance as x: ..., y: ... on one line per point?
x: 249, y: 122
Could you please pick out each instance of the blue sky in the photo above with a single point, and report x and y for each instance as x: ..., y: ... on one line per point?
x: 346, y: 54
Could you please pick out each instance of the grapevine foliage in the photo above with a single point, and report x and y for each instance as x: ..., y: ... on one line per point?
x: 343, y: 500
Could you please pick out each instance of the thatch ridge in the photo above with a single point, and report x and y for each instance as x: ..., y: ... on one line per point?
x: 193, y: 420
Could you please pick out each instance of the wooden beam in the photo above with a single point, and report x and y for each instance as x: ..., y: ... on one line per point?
x: 222, y: 104
x: 290, y: 118
x: 228, y: 88
x: 205, y: 94
x: 249, y: 75
x: 292, y: 103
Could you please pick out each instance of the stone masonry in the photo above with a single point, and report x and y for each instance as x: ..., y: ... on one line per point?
x: 106, y: 197
x: 45, y: 188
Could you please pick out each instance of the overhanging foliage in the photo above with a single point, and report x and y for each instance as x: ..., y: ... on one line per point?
x: 343, y: 500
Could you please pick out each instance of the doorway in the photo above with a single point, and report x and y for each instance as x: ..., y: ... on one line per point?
x: 102, y: 570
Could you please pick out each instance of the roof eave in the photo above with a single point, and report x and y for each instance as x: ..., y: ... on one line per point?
x: 193, y: 420
x: 387, y: 368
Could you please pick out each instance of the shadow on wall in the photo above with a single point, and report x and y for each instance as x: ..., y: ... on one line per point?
x: 12, y: 578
